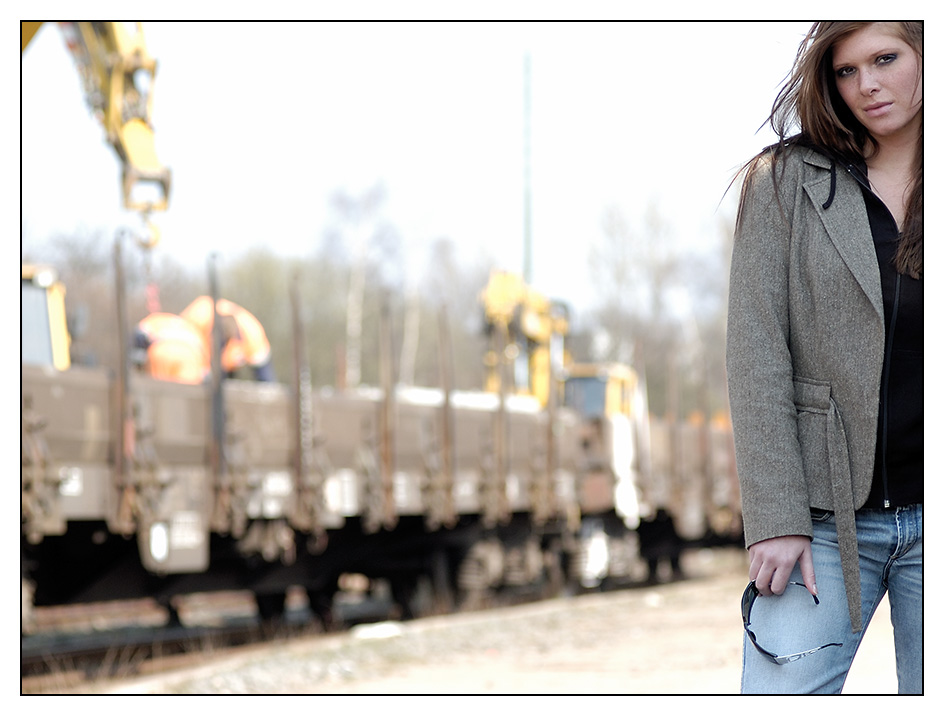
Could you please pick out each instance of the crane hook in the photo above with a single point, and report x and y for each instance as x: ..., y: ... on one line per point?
x: 150, y: 237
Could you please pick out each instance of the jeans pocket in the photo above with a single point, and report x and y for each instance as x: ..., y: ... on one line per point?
x: 819, y: 515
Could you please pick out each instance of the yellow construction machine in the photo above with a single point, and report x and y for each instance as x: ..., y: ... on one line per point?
x: 118, y: 74
x: 526, y: 331
x: 45, y: 337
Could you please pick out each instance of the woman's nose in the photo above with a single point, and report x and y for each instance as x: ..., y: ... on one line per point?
x: 868, y: 82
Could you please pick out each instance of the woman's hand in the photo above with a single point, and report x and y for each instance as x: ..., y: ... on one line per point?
x: 772, y: 562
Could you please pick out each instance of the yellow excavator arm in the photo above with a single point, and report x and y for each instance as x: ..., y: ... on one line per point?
x: 117, y: 73
x: 28, y: 30
x: 534, y: 328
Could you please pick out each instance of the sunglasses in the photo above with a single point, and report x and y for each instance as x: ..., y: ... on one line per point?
x: 747, y: 602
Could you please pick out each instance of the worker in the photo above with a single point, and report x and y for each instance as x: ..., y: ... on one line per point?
x: 244, y: 342
x: 167, y: 347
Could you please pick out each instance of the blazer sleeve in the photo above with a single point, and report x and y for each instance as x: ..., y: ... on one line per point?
x: 775, y: 499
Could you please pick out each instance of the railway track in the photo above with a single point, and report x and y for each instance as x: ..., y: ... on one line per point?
x: 73, y: 645
x: 63, y: 660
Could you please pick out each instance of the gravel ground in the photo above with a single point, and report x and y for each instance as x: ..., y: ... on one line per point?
x: 682, y: 637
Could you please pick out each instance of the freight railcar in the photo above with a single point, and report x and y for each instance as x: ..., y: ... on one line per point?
x: 136, y: 487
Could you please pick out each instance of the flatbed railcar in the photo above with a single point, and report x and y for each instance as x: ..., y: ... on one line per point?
x: 135, y: 487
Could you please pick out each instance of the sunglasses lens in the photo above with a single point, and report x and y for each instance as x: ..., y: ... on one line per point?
x: 747, y: 601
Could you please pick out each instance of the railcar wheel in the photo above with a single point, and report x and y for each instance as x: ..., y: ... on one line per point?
x: 478, y: 575
x: 554, y: 576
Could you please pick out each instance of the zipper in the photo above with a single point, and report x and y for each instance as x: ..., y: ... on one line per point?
x: 889, y: 339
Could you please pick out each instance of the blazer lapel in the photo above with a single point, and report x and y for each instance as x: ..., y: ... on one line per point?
x: 847, y: 224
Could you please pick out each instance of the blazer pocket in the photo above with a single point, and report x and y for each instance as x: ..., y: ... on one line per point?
x: 812, y: 401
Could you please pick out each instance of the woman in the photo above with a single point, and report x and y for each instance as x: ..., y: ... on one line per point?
x: 825, y: 361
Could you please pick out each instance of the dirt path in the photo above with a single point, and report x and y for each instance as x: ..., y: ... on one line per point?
x: 678, y: 638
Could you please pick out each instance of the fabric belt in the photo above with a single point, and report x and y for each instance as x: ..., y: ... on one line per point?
x: 844, y: 509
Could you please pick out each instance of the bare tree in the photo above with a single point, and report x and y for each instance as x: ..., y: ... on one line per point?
x: 637, y: 270
x: 455, y: 286
x: 361, y: 225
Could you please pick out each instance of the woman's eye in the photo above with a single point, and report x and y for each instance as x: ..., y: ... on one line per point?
x: 844, y: 71
x: 885, y: 59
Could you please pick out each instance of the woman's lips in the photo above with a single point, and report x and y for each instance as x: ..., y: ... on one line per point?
x: 878, y: 109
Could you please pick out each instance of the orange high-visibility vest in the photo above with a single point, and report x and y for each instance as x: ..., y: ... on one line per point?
x: 250, y: 347
x: 176, y: 349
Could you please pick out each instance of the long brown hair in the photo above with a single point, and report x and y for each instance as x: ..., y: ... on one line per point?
x: 811, y: 100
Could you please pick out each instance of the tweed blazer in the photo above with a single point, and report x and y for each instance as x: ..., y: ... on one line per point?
x: 805, y: 344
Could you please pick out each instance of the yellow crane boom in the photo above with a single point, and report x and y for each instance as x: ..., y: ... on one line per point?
x: 117, y: 74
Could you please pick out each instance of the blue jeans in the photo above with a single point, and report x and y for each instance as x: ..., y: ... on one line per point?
x: 890, y: 559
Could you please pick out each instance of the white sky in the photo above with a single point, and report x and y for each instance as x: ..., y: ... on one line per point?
x: 261, y: 122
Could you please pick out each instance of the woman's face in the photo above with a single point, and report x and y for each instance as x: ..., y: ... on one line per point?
x: 878, y: 75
